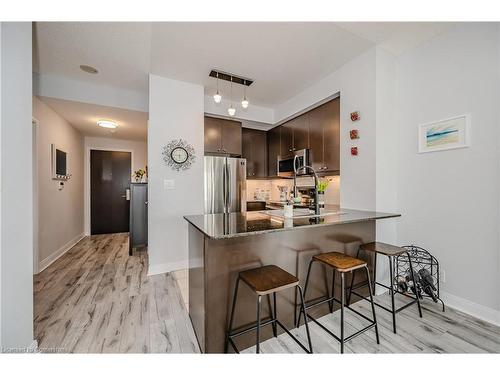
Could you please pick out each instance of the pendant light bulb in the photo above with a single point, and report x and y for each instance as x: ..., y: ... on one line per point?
x: 217, y: 96
x: 231, y: 110
x: 244, y: 102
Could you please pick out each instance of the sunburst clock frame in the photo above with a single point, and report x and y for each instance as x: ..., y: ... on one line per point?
x: 179, y: 155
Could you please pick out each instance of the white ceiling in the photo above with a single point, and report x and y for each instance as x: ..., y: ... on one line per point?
x: 132, y: 125
x: 282, y: 58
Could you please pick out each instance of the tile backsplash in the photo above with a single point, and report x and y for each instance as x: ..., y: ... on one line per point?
x: 266, y: 190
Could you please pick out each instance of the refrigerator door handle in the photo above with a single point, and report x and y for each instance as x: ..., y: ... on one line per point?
x: 228, y: 202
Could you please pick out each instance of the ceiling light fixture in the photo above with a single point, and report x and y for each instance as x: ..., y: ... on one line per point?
x: 88, y: 69
x: 217, y: 96
x: 244, y: 102
x: 107, y: 124
x: 231, y: 110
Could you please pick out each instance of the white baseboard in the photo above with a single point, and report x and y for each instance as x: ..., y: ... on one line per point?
x: 58, y: 253
x: 33, y: 348
x: 156, y: 269
x: 474, y: 309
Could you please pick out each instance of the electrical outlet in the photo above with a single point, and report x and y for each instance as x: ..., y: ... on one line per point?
x: 168, y: 184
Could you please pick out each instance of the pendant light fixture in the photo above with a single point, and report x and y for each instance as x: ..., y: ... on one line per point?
x: 231, y: 110
x: 244, y: 102
x: 217, y: 96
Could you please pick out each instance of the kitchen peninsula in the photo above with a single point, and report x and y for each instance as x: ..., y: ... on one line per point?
x: 222, y: 245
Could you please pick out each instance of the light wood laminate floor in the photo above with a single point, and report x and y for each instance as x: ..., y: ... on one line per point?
x: 97, y: 299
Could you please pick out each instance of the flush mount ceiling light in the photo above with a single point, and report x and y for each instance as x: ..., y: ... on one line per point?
x: 217, y: 96
x: 107, y: 124
x: 88, y: 69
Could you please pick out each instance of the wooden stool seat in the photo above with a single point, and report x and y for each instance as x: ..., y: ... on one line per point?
x: 383, y: 248
x: 340, y: 261
x: 268, y: 279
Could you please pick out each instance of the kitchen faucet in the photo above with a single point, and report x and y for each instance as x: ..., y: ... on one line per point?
x: 316, y: 180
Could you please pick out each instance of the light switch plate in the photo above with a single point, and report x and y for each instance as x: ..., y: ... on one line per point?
x: 169, y: 184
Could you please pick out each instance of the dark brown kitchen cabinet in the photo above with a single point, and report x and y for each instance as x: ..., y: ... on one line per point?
x: 286, y: 145
x: 294, y: 135
x: 254, y: 150
x: 324, y: 136
x: 300, y: 128
x: 222, y: 136
x: 273, y: 150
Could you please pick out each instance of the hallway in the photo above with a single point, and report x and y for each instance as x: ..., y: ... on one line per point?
x: 98, y: 299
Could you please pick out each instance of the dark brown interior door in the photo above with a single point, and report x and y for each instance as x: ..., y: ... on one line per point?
x: 109, y: 180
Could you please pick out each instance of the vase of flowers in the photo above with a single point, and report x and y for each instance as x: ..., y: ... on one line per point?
x: 138, y: 175
x: 321, y: 187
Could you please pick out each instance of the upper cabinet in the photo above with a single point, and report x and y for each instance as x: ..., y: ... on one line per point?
x: 254, y: 150
x: 324, y: 136
x: 222, y: 136
x: 273, y: 150
x: 294, y: 135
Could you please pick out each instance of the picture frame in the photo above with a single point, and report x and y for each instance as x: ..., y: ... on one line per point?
x: 447, y: 134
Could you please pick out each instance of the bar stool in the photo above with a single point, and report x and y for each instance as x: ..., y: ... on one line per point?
x: 264, y: 281
x: 390, y: 251
x: 342, y: 264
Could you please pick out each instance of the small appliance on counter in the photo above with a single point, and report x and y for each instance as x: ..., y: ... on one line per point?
x: 283, y: 189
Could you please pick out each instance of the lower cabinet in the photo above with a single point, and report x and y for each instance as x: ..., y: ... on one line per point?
x: 254, y: 149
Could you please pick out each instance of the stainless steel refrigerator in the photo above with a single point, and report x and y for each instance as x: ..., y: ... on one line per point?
x: 225, y: 184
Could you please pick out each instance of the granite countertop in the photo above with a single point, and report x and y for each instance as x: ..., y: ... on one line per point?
x: 238, y: 224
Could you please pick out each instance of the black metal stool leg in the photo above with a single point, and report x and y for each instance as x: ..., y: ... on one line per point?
x: 303, y: 309
x: 305, y: 290
x: 275, y: 326
x: 333, y: 291
x: 414, y: 285
x: 372, y: 304
x: 259, y: 299
x: 391, y: 290
x: 342, y: 302
x: 235, y: 295
x: 352, y: 283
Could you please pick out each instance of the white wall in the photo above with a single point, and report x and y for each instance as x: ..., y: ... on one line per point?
x: 53, y: 86
x: 355, y: 82
x: 386, y: 160
x: 175, y: 111
x: 16, y: 254
x: 449, y: 199
x: 139, y: 152
x: 60, y: 219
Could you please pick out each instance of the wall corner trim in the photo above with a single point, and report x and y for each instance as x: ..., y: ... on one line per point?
x: 471, y: 308
x: 157, y: 269
x: 59, y: 253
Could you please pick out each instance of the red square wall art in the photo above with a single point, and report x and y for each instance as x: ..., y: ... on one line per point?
x: 355, y: 116
x: 354, y: 151
x: 354, y: 134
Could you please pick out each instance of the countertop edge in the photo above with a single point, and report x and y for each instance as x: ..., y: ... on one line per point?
x: 246, y: 234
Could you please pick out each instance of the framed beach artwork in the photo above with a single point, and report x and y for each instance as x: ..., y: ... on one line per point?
x: 444, y: 134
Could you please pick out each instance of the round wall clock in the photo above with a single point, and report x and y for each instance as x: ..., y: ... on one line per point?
x: 178, y: 155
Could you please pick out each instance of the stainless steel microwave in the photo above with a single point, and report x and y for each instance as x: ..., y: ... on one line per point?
x: 286, y: 164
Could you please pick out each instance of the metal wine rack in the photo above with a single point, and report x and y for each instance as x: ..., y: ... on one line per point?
x: 420, y: 259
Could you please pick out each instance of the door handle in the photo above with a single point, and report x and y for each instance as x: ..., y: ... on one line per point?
x: 127, y: 194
